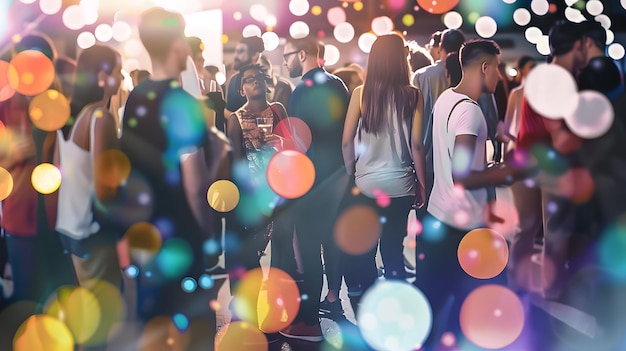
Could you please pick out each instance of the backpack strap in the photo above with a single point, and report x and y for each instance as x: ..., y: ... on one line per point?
x: 452, y: 110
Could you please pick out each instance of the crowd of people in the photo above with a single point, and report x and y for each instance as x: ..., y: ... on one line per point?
x: 408, y: 132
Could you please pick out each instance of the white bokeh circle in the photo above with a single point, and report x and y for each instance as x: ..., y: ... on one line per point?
x: 616, y: 51
x: 270, y: 41
x: 366, y: 40
x: 486, y: 27
x: 533, y: 34
x: 521, y: 16
x: 382, y: 25
x: 299, y: 7
x: 551, y: 91
x: 104, y: 32
x: 299, y: 29
x: 593, y: 116
x: 73, y: 17
x: 85, y: 40
x: 453, y: 20
x: 540, y: 7
x: 331, y: 55
x: 344, y: 32
x: 251, y: 30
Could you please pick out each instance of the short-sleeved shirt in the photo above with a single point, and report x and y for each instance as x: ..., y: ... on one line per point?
x: 431, y: 81
x: 458, y: 208
x: 321, y: 100
x: 234, y: 99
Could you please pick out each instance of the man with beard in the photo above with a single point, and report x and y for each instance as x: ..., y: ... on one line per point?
x: 248, y: 51
x: 320, y: 99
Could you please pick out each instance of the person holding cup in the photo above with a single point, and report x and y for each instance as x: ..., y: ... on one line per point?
x: 253, y: 144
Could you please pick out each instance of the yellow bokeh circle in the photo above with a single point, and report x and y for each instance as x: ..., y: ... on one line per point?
x: 49, y: 110
x: 223, y: 196
x: 43, y: 332
x: 6, y: 183
x: 46, y: 178
x: 79, y: 309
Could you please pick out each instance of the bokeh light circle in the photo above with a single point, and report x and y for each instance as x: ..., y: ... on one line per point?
x: 6, y: 183
x: 594, y: 7
x: 104, y: 32
x: 382, y: 25
x: 574, y: 15
x: 46, y: 178
x: 540, y: 7
x: 299, y: 7
x: 43, y: 332
x: 453, y: 20
x: 437, y: 6
x: 223, y: 195
x: 543, y: 45
x: 521, y: 17
x: 85, y: 40
x: 241, y: 336
x: 296, y: 134
x: 270, y: 41
x: 486, y: 27
x: 113, y: 168
x: 175, y: 258
x: 616, y: 51
x: 492, y: 317
x: 161, y: 334
x: 50, y: 7
x: 344, y: 32
x: 79, y: 309
x: 551, y: 91
x: 122, y: 31
x: 483, y: 253
x: 604, y: 20
x: 336, y: 15
x: 408, y: 19
x: 394, y: 315
x: 299, y: 29
x: 8, y: 79
x: 277, y: 302
x: 357, y: 230
x: 251, y: 30
x: 592, y: 117
x: 49, y: 110
x: 35, y: 71
x: 331, y: 55
x: 73, y: 17
x: 532, y: 34
x: 258, y: 12
x: 610, y: 37
x: 290, y: 174
x: 366, y: 40
x: 144, y: 240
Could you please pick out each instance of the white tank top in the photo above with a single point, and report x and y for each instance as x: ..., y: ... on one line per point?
x: 74, y: 214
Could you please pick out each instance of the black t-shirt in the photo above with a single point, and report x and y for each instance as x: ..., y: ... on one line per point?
x: 161, y: 121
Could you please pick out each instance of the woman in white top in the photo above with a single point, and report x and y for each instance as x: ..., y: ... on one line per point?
x: 384, y: 119
x: 87, y: 182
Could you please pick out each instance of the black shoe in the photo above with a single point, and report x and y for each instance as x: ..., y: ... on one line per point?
x: 331, y: 310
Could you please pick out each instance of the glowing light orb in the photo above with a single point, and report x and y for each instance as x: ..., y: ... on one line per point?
x: 240, y: 336
x: 50, y: 7
x: 73, y: 17
x: 388, y: 322
x: 336, y: 15
x: 483, y: 253
x: 79, y: 309
x: 258, y: 12
x: 299, y: 7
x: 492, y: 317
x: 35, y: 71
x: 6, y: 183
x: 552, y: 91
x: 46, y: 178
x: 486, y: 27
x: 592, y: 117
x: 290, y: 174
x: 343, y: 32
x: 85, y: 40
x: 382, y: 25
x: 594, y: 7
x: 8, y: 79
x: 540, y: 7
x: 296, y: 134
x: 251, y: 30
x: 332, y: 54
x: 122, y: 31
x: 43, y: 332
x: 521, y: 17
x: 616, y: 51
x: 270, y: 41
x: 49, y: 110
x: 437, y: 6
x: 357, y: 230
x: 299, y: 30
x: 366, y: 40
x: 453, y: 20
x: 223, y: 196
x: 104, y: 32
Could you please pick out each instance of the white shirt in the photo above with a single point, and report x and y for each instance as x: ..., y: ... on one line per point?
x: 452, y: 205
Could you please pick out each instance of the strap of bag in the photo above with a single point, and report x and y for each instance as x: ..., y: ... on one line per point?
x: 450, y: 115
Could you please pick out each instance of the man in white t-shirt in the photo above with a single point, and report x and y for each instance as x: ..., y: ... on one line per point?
x: 459, y: 197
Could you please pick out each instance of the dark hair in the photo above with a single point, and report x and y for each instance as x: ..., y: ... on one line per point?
x: 309, y: 44
x: 420, y: 58
x: 453, y: 67
x: 475, y: 50
x: 595, y: 32
x: 435, y: 39
x: 196, y: 45
x: 563, y: 35
x: 158, y: 29
x: 452, y: 40
x: 602, y: 75
x: 38, y: 42
x: 254, y: 44
x: 387, y: 83
x: 90, y: 62
x: 254, y: 66
x: 523, y: 61
x: 140, y: 75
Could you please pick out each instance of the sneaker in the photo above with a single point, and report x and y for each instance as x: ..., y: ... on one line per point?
x: 331, y: 310
x: 301, y: 331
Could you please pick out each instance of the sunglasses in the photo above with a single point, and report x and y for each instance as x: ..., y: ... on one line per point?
x: 261, y: 78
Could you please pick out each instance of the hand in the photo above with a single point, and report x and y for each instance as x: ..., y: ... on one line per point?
x: 420, y: 196
x: 501, y: 133
x: 275, y: 141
